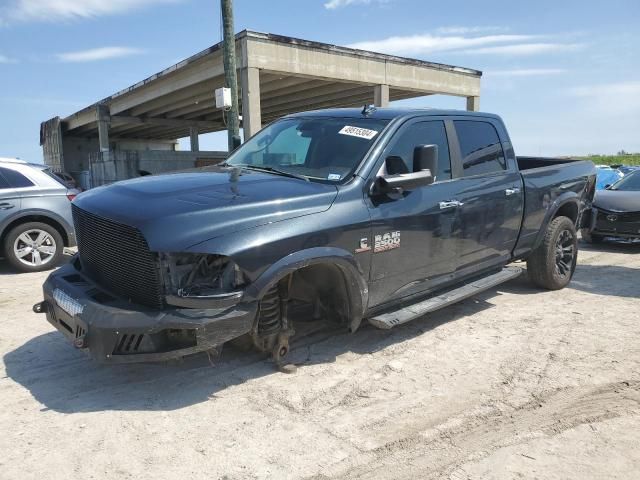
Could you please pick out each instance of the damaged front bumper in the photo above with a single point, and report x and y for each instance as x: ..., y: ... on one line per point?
x: 112, y: 330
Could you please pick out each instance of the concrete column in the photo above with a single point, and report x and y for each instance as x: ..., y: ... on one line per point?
x: 195, y: 143
x: 381, y: 96
x: 103, y: 117
x: 473, y: 104
x: 251, y: 110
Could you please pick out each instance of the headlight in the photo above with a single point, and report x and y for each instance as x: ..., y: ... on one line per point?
x: 200, y: 275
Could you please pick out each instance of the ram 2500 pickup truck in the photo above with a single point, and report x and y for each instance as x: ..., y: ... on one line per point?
x: 343, y: 215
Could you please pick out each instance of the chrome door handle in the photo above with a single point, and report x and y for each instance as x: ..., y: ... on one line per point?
x: 511, y: 191
x: 450, y: 204
x: 6, y: 206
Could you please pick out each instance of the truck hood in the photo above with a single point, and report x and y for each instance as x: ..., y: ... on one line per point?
x: 617, y: 201
x: 176, y: 211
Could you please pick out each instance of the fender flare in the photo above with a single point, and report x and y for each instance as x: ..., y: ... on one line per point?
x: 558, y: 203
x: 357, y: 287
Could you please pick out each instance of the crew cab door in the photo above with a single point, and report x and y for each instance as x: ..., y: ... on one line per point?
x: 490, y: 197
x: 413, y: 245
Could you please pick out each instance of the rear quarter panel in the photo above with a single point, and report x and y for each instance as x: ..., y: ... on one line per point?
x: 547, y: 189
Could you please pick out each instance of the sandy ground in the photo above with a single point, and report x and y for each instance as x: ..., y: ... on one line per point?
x: 515, y: 383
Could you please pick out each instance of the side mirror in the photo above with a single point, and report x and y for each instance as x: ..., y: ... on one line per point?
x: 237, y: 141
x: 400, y: 183
x: 425, y: 157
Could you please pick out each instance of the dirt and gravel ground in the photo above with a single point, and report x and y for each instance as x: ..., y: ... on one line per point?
x: 515, y: 383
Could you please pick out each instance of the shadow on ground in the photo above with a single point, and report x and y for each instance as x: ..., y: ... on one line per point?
x: 614, y: 280
x: 66, y: 380
x: 612, y: 246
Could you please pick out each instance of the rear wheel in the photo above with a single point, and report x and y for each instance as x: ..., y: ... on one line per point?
x: 589, y: 237
x: 552, y: 264
x: 33, y: 247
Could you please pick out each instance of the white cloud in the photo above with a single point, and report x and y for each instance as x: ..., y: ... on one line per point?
x: 525, y: 72
x: 95, y: 54
x: 334, y: 4
x: 614, y: 98
x: 523, y: 49
x: 424, y: 44
x: 53, y: 10
x: 456, y: 30
x: 5, y: 59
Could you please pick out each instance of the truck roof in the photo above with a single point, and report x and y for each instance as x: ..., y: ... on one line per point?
x: 388, y: 113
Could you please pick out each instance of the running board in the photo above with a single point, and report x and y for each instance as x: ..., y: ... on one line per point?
x: 411, y: 312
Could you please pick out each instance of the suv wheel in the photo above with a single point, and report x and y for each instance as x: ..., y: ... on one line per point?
x: 33, y: 247
x: 552, y: 264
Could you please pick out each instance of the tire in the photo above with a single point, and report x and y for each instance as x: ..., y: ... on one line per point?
x: 552, y: 263
x: 589, y: 237
x: 42, y: 243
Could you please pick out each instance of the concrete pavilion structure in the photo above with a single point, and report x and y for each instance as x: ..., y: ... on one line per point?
x: 135, y: 131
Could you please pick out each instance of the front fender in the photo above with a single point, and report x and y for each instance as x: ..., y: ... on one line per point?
x: 358, y: 291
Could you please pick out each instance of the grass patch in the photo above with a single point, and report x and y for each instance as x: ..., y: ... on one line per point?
x: 629, y: 159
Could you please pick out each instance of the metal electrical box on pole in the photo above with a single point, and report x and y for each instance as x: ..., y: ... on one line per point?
x: 230, y: 73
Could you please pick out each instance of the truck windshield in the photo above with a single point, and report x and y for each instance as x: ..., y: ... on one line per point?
x: 321, y: 149
x: 630, y: 182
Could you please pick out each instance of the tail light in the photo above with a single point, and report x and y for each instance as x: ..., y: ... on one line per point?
x: 71, y: 196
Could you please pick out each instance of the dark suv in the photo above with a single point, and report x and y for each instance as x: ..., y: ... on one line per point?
x: 35, y: 215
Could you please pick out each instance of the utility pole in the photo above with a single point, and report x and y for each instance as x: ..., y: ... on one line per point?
x: 230, y: 73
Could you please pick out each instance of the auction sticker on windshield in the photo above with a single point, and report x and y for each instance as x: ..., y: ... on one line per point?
x: 358, y: 132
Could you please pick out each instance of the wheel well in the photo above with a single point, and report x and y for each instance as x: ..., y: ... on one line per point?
x: 35, y: 218
x: 325, y: 286
x: 570, y: 210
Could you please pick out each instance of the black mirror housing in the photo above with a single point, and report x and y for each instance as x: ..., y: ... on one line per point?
x: 425, y: 157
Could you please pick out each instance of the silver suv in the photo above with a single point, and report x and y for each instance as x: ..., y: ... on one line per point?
x: 35, y: 215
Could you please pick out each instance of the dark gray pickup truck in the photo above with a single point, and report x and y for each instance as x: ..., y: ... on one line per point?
x: 343, y: 215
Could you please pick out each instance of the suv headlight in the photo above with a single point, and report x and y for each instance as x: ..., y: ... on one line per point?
x: 190, y: 275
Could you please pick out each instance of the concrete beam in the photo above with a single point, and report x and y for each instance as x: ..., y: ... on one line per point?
x: 164, y: 122
x: 315, y: 102
x: 251, y: 109
x: 153, y: 107
x: 193, y: 135
x: 289, y: 59
x: 381, y: 96
x: 347, y: 99
x: 310, y: 94
x: 473, y: 104
x: 200, y: 71
x: 103, y: 119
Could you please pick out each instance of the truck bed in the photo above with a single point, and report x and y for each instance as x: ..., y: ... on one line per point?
x: 547, y: 181
x: 528, y: 163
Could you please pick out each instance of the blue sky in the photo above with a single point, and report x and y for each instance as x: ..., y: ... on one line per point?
x: 565, y: 75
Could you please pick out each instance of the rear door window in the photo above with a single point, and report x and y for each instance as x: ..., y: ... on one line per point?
x: 15, y: 179
x: 480, y: 147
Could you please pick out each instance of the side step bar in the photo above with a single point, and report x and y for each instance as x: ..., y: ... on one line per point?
x: 411, y: 312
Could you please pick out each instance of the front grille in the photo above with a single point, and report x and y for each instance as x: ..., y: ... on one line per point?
x: 620, y: 222
x: 117, y: 258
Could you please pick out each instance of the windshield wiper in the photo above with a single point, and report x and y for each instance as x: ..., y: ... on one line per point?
x: 263, y: 168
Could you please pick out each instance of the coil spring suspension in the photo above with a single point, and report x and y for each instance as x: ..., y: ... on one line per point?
x: 270, y: 319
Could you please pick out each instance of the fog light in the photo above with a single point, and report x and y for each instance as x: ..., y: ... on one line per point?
x: 66, y: 303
